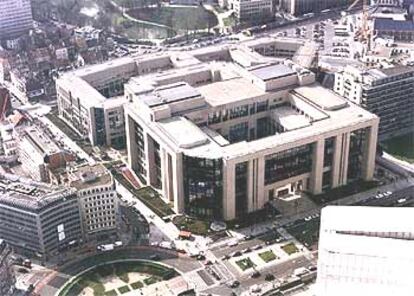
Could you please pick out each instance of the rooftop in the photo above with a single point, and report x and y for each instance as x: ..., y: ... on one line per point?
x: 229, y: 91
x: 270, y: 72
x: 29, y: 195
x: 89, y: 176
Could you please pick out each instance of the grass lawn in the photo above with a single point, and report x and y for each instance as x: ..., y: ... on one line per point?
x: 151, y: 280
x: 290, y: 248
x: 267, y: 256
x: 137, y: 285
x: 195, y: 226
x: 177, y: 18
x: 307, y: 232
x: 230, y: 21
x: 111, y: 293
x: 401, y: 147
x: 147, y: 195
x: 245, y: 264
x: 124, y: 289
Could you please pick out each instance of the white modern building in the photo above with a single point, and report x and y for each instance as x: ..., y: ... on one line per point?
x: 91, y: 99
x: 251, y: 10
x: 366, y: 251
x: 15, y: 18
x: 386, y: 92
x: 220, y: 139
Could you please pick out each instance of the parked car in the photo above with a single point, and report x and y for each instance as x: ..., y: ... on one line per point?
x: 255, y: 274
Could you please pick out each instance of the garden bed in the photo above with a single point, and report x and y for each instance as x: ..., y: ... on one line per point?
x: 268, y: 256
x: 290, y: 248
x: 245, y: 264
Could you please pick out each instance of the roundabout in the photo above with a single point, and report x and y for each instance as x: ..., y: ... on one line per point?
x: 118, y: 277
x: 126, y: 271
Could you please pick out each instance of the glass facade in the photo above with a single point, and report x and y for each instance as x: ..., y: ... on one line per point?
x: 100, y: 126
x: 157, y: 161
x: 328, y: 152
x: 241, y: 188
x: 239, y: 132
x: 288, y: 163
x: 203, y: 187
x: 139, y: 166
x: 356, y: 152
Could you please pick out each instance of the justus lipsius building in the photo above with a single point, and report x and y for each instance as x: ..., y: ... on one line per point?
x: 221, y: 139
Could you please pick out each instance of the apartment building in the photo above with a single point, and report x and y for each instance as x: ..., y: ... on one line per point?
x: 252, y: 10
x: 91, y: 100
x: 98, y: 202
x: 385, y: 92
x: 38, y: 219
x: 300, y: 7
x: 7, y: 277
x: 15, y: 18
x: 365, y: 249
x: 225, y: 138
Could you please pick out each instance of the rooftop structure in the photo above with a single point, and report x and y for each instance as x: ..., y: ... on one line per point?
x: 38, y: 218
x: 366, y: 253
x: 91, y: 99
x: 233, y: 123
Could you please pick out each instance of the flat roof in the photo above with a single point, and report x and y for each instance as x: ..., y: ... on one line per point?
x: 270, y: 72
x: 229, y: 91
x: 183, y: 132
x: 170, y: 93
x: 337, y: 218
x: 290, y: 119
x: 90, y: 176
x: 321, y: 97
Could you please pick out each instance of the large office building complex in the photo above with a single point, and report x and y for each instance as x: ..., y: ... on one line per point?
x: 365, y: 251
x: 38, y: 218
x: 222, y: 138
x: 251, y: 10
x: 91, y: 100
x: 15, y: 18
x: 386, y: 92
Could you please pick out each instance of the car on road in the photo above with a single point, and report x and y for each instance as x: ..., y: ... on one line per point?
x: 247, y: 250
x: 201, y: 257
x: 257, y: 247
x: 388, y: 193
x: 236, y: 254
x: 269, y: 277
x: 155, y: 257
x: 379, y: 196
x: 401, y: 200
x: 255, y: 274
x: 233, y: 243
x: 234, y: 284
x: 225, y: 257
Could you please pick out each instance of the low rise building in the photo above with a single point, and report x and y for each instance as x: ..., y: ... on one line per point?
x: 386, y: 92
x: 7, y: 277
x: 39, y: 154
x: 365, y: 249
x: 38, y: 219
x: 98, y: 201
